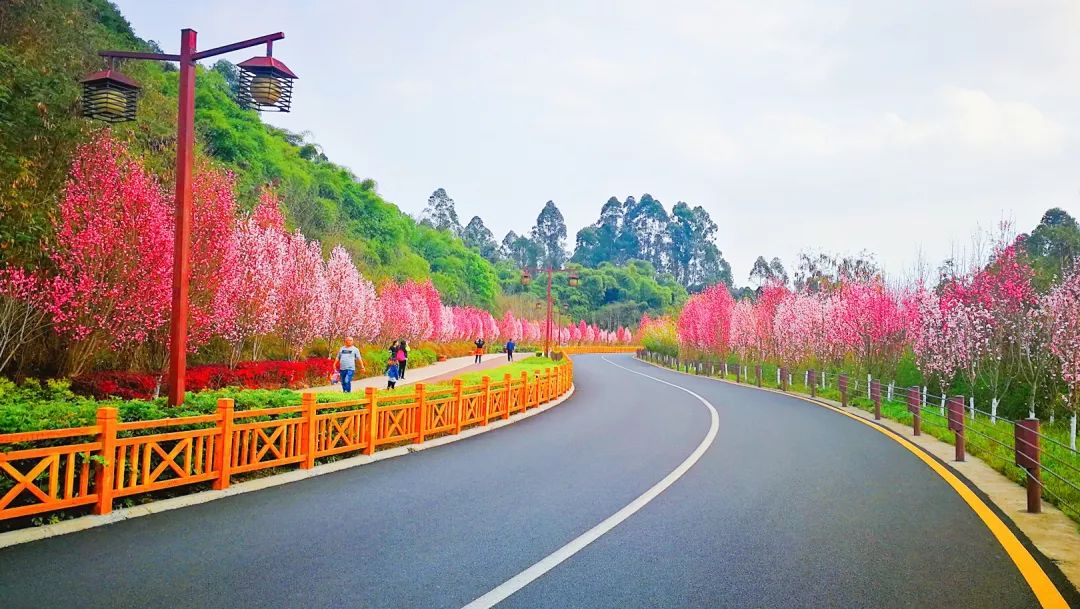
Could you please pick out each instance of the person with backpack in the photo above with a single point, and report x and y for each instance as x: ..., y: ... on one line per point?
x: 402, y: 358
x: 479, y: 350
x: 391, y: 373
x: 347, y: 359
x: 510, y: 346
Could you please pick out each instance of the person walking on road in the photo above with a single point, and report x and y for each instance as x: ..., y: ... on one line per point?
x: 510, y: 346
x: 348, y: 357
x: 391, y: 373
x: 402, y: 358
x: 479, y: 350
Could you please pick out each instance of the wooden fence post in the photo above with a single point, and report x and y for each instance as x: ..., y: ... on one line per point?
x: 310, y: 442
x: 486, y: 384
x: 507, y: 383
x: 223, y: 451
x: 104, y: 471
x: 547, y: 384
x: 419, y: 413
x: 458, y: 405
x: 524, y: 390
x: 373, y: 419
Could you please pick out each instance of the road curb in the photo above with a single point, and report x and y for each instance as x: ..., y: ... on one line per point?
x: 21, y: 536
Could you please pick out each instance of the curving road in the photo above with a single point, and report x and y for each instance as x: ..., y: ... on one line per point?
x: 790, y: 506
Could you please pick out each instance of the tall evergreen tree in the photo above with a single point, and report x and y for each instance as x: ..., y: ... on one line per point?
x: 478, y: 237
x: 440, y: 213
x: 550, y: 235
x: 521, y: 250
x: 648, y: 222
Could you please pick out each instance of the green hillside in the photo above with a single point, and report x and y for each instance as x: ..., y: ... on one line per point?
x: 46, y: 46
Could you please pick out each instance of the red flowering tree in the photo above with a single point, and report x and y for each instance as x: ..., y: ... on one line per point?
x: 112, y: 253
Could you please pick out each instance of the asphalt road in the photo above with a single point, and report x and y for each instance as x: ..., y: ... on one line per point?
x: 791, y: 506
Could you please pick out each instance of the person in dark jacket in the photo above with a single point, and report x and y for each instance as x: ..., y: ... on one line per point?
x: 510, y: 346
x: 479, y: 350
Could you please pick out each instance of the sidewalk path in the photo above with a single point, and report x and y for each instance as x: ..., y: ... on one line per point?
x: 438, y: 371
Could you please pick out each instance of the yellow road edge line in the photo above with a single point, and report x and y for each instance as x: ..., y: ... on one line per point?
x: 1044, y: 589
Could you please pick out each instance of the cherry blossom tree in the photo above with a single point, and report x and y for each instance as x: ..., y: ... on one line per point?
x: 247, y: 303
x: 1063, y: 303
x: 353, y: 310
x: 112, y: 253
x: 23, y: 318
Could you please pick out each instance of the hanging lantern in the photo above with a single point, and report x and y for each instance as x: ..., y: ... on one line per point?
x: 265, y: 84
x: 526, y: 278
x: 109, y: 96
x: 574, y: 280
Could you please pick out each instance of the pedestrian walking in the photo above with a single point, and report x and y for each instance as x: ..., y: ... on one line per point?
x: 510, y: 346
x: 402, y: 358
x: 391, y: 373
x: 347, y: 360
x: 479, y: 350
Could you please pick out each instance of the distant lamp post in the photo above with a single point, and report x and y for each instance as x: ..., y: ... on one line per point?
x: 526, y: 279
x: 109, y: 96
x: 266, y: 84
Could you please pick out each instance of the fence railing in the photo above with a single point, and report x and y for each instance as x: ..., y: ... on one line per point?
x: 44, y: 471
x: 1020, y: 449
x: 573, y: 349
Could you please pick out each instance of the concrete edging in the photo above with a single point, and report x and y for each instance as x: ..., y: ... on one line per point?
x: 1053, y: 534
x: 12, y: 538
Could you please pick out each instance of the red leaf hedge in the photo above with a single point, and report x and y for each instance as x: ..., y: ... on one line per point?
x: 249, y: 375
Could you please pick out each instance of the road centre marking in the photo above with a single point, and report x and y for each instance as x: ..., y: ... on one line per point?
x: 1041, y: 585
x: 519, y: 581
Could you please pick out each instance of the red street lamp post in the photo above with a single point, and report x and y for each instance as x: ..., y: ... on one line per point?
x: 526, y: 279
x: 266, y: 84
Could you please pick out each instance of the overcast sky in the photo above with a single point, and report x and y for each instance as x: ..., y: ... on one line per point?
x: 872, y: 124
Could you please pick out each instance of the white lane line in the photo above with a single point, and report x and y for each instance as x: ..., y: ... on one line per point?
x: 549, y: 562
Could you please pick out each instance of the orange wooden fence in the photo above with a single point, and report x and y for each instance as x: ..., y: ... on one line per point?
x: 95, y: 465
x: 572, y: 349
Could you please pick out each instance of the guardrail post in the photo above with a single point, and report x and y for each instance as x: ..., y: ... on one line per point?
x: 373, y: 420
x: 485, y: 383
x: 419, y: 413
x: 311, y: 428
x: 1028, y: 457
x: 757, y: 373
x: 508, y: 383
x: 875, y: 397
x: 105, y: 469
x: 223, y: 450
x: 811, y: 379
x: 458, y: 404
x: 914, y: 409
x: 784, y: 379
x: 956, y: 423
x: 841, y: 382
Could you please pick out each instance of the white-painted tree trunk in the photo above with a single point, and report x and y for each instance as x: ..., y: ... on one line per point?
x: 993, y: 411
x: 942, y: 408
x: 1072, y: 432
x: 924, y: 396
x: 777, y: 377
x: 789, y: 379
x: 888, y: 396
x: 806, y: 379
x: 971, y: 405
